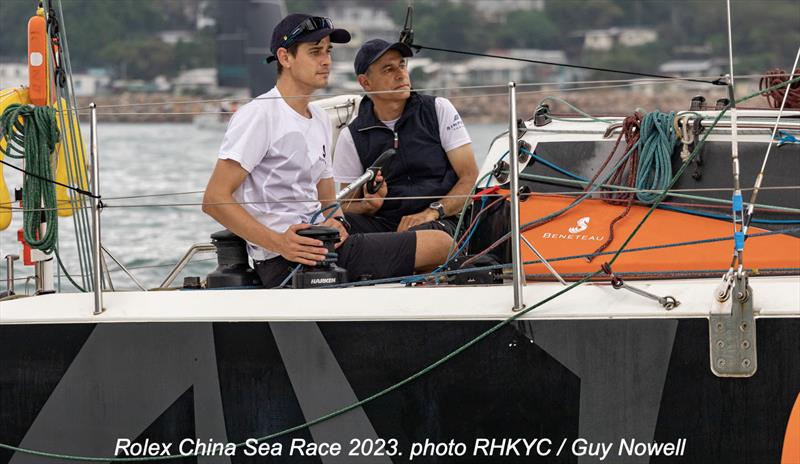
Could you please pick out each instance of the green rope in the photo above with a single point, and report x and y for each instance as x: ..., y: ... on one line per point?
x: 656, y: 144
x: 67, y: 274
x: 31, y: 134
x: 444, y: 359
x: 463, y: 211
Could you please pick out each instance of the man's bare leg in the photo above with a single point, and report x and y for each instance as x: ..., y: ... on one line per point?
x: 432, y: 248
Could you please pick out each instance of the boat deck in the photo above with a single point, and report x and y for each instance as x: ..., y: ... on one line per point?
x: 773, y: 297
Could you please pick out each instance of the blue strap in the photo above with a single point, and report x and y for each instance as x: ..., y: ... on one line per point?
x: 784, y: 137
x: 738, y: 240
x: 738, y: 203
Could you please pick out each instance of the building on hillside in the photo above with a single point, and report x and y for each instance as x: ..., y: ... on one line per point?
x: 96, y: 81
x: 498, y: 10
x: 93, y: 82
x: 606, y: 39
x: 694, y: 68
x: 173, y: 37
x: 196, y: 81
x: 492, y: 71
x: 13, y: 73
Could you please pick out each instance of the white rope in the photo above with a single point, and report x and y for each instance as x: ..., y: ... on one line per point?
x: 737, y: 217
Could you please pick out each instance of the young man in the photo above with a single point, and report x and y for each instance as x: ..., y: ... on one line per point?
x: 434, y: 152
x: 274, y: 171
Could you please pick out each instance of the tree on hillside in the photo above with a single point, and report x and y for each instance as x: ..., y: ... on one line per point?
x: 527, y: 29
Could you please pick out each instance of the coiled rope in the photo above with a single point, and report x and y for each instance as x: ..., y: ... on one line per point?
x: 31, y: 134
x: 774, y: 96
x: 656, y: 144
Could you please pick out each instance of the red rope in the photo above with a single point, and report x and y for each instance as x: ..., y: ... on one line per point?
x: 625, y: 174
x: 775, y: 97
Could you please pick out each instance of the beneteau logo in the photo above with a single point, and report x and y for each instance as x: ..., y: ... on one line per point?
x: 575, y: 232
x: 583, y: 224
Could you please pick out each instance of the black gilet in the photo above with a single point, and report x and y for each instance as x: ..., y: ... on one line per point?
x: 420, y: 168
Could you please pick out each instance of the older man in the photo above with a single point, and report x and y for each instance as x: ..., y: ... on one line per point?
x: 434, y: 157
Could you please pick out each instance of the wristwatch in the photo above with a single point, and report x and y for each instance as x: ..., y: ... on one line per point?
x: 342, y: 221
x: 439, y: 208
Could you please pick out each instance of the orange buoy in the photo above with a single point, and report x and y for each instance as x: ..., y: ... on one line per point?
x: 38, y: 80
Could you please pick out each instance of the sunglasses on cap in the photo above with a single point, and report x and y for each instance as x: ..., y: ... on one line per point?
x: 314, y: 23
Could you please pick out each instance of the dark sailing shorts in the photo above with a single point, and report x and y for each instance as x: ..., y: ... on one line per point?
x: 364, y: 256
x: 361, y: 223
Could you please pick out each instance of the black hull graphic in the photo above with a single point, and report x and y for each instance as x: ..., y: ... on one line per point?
x: 76, y: 389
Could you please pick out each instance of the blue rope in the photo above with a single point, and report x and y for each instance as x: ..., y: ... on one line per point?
x: 694, y: 212
x: 656, y: 144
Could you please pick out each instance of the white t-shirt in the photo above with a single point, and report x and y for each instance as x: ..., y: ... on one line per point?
x: 286, y: 155
x: 347, y: 165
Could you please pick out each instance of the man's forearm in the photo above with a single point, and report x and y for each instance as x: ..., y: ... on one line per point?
x: 453, y: 203
x: 355, y: 204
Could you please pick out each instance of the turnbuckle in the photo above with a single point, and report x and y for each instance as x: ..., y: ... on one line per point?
x: 667, y: 302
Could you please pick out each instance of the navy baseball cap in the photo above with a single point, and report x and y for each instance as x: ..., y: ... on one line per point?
x: 374, y: 49
x: 298, y: 27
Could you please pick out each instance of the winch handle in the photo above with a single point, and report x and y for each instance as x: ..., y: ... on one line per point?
x: 380, y: 164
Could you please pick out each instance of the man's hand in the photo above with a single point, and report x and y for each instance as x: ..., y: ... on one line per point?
x: 331, y: 222
x: 374, y: 201
x: 299, y: 249
x: 412, y: 220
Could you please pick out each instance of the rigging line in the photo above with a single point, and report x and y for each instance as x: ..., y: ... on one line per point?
x: 760, y: 176
x: 565, y: 65
x: 453, y: 97
x: 155, y: 266
x: 79, y: 190
x: 81, y: 215
x: 737, y: 212
x: 554, y: 91
x: 675, y: 274
x: 533, y: 177
x: 429, y: 89
x: 390, y: 280
x: 703, y: 189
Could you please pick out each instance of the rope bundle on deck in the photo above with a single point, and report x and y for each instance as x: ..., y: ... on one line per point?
x: 31, y: 134
x: 775, y: 96
x: 650, y: 139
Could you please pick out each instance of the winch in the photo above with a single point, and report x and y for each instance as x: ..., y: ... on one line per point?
x: 325, y: 272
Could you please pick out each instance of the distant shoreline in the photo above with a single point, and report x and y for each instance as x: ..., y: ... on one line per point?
x: 168, y: 108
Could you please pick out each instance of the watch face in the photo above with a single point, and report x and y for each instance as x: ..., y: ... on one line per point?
x: 438, y: 207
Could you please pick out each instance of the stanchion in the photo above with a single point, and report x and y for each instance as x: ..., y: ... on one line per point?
x: 518, y: 276
x: 97, y: 276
